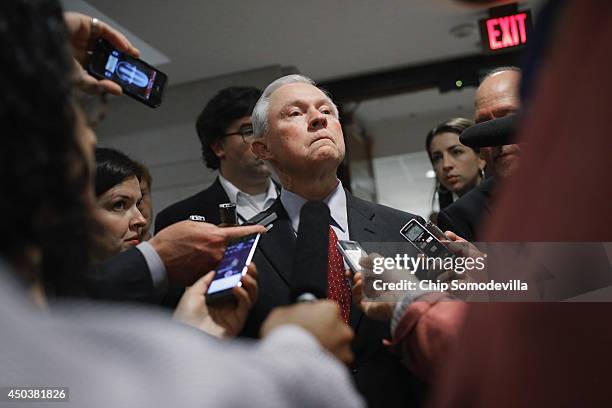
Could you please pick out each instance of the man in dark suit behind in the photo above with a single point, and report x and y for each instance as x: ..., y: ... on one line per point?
x: 225, y: 131
x: 297, y: 130
x: 464, y: 216
x: 496, y: 97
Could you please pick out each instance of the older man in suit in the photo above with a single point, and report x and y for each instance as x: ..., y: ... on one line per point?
x: 298, y: 132
x: 496, y: 97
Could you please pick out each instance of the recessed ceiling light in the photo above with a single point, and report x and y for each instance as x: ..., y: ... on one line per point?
x: 430, y: 174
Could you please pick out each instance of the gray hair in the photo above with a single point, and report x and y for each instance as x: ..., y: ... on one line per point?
x: 259, y: 118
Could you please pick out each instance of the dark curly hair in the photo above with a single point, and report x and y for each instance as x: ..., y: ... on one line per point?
x: 44, y: 176
x: 225, y: 107
x: 113, y: 167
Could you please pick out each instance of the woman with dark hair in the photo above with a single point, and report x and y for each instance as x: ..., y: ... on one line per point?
x: 458, y: 168
x: 119, y: 196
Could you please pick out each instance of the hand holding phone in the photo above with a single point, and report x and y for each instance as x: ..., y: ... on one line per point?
x: 222, y: 320
x: 84, y: 31
x: 352, y: 253
x: 137, y: 78
x: 373, y: 305
x: 238, y: 255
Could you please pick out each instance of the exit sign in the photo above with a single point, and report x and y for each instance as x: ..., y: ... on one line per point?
x: 505, y: 32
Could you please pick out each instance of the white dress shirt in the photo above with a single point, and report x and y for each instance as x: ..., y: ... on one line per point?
x: 336, y: 201
x: 247, y: 205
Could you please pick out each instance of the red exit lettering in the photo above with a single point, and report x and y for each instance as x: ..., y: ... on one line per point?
x: 504, y: 32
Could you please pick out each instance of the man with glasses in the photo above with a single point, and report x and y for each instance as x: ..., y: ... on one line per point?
x: 225, y: 131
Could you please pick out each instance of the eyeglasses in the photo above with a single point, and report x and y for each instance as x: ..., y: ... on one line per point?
x: 246, y: 131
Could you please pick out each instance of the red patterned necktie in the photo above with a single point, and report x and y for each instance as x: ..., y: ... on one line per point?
x: 337, y: 284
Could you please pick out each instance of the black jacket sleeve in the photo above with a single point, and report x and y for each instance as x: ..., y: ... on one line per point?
x: 124, y: 277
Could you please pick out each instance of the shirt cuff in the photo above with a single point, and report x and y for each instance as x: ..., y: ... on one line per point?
x: 400, y: 307
x: 156, y: 266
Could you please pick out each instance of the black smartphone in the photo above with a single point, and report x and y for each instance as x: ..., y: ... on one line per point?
x: 137, y: 78
x: 238, y: 254
x: 424, y: 240
x: 265, y: 218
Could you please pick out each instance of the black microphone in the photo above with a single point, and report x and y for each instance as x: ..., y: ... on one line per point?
x: 309, y: 273
x: 494, y: 132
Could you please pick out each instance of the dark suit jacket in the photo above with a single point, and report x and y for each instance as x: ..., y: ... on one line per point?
x: 124, y: 277
x: 204, y: 203
x: 465, y: 215
x: 378, y: 374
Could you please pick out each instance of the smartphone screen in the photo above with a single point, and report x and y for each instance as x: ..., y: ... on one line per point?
x: 352, y: 253
x: 137, y: 78
x: 234, y: 264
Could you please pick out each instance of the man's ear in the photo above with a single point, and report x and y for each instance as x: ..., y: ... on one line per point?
x: 218, y: 148
x: 260, y: 149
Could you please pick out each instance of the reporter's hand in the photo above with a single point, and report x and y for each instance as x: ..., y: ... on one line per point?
x: 233, y: 316
x: 189, y: 249
x: 374, y: 309
x: 224, y: 320
x: 83, y: 36
x: 460, y: 247
x: 322, y: 319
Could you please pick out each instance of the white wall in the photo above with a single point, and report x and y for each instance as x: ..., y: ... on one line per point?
x: 165, y: 139
x: 401, y: 162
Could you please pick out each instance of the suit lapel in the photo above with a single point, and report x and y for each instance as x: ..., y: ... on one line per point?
x: 209, y: 200
x: 362, y: 228
x: 216, y: 194
x: 278, y: 244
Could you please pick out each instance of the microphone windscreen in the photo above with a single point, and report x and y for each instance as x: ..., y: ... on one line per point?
x: 309, y: 272
x: 494, y: 132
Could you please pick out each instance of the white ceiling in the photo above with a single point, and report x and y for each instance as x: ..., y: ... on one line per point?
x: 323, y: 39
x: 415, y: 104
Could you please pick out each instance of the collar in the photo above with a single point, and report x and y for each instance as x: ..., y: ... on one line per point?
x: 233, y: 192
x: 336, y: 202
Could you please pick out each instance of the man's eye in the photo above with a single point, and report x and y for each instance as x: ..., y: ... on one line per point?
x: 326, y: 111
x: 295, y: 113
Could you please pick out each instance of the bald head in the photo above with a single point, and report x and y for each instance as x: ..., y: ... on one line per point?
x: 497, y: 97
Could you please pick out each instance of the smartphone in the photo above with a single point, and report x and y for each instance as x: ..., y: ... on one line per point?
x: 265, y: 218
x: 137, y: 78
x: 352, y: 252
x: 424, y: 240
x: 231, y: 269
